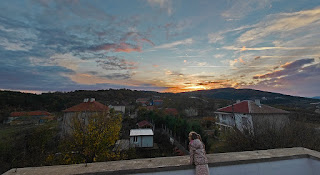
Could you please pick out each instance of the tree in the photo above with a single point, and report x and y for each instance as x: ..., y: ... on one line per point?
x: 294, y: 134
x: 92, y: 141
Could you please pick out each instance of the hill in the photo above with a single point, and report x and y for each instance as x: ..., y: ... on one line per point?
x: 251, y: 94
x: 56, y: 102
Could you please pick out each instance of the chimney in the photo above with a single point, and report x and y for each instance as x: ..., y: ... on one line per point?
x: 92, y: 99
x: 238, y: 101
x: 257, y: 101
x: 86, y: 100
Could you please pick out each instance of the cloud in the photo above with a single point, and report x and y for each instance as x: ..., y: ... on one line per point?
x: 122, y: 47
x: 48, y: 49
x: 233, y: 63
x: 303, y: 81
x: 162, y: 4
x: 16, y: 46
x: 214, y: 37
x: 174, y: 73
x: 257, y: 57
x: 289, y: 69
x: 281, y: 24
x: 174, y: 44
x: 63, y: 8
x: 115, y: 63
x: 267, y: 48
x: 219, y: 55
x: 240, y: 9
x: 18, y: 73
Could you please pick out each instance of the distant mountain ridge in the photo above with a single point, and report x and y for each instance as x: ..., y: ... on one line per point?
x: 316, y: 97
x: 11, y: 101
x: 251, y: 94
x: 241, y: 94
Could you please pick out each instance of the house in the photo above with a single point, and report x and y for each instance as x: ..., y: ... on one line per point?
x: 118, y: 108
x: 171, y: 111
x: 191, y: 112
x: 83, y: 111
x: 251, y: 115
x: 157, y: 102
x: 143, y: 101
x: 142, y: 138
x: 31, y: 117
x: 144, y: 124
x: 150, y: 108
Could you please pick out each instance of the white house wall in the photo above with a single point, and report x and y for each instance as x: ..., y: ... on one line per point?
x: 240, y: 125
x: 119, y: 108
x: 236, y: 120
x: 67, y: 120
x: 147, y: 141
x: 142, y: 141
x: 136, y: 144
x: 226, y: 119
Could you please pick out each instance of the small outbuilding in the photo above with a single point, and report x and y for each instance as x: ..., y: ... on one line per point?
x: 142, y: 138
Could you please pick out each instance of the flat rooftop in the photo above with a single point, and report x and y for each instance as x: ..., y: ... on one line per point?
x: 141, y: 132
x: 291, y: 161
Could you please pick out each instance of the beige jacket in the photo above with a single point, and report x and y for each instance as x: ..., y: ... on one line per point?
x: 197, y: 153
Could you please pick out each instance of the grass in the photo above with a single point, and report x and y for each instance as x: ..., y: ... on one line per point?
x: 10, y: 133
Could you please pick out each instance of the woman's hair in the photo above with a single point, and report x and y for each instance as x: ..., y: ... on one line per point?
x: 199, y: 137
x: 194, y: 135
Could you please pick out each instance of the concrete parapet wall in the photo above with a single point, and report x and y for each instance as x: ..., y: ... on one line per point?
x: 169, y: 164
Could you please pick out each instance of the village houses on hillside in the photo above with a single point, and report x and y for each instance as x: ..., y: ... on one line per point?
x: 30, y: 117
x: 251, y: 115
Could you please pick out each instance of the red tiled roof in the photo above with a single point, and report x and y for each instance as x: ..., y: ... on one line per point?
x: 251, y: 107
x: 30, y: 113
x: 173, y: 111
x: 150, y: 108
x: 88, y: 106
x: 265, y: 109
x: 241, y: 107
x: 144, y: 123
x: 142, y: 99
x: 158, y: 100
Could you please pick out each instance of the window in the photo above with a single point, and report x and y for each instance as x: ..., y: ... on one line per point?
x: 83, y: 120
x: 135, y: 139
x: 245, y: 122
x: 224, y: 117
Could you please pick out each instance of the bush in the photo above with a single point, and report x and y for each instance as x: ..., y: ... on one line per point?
x: 291, y: 135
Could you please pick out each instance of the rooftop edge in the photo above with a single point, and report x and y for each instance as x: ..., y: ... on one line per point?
x: 169, y: 163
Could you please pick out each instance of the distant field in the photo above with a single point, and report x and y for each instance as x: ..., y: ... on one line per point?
x: 9, y: 133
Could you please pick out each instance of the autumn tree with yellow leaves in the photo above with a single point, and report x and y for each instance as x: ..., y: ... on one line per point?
x: 92, y: 139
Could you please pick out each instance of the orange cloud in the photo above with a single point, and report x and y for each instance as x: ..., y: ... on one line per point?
x: 148, y: 41
x: 243, y: 48
x: 285, y: 65
x: 122, y: 47
x: 241, y: 60
x: 205, y: 85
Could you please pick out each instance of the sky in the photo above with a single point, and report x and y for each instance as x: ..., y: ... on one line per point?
x: 160, y: 45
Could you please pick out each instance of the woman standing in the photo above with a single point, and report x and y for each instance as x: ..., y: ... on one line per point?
x: 198, y: 154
